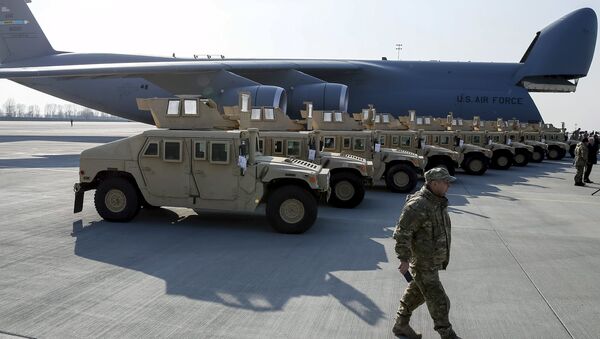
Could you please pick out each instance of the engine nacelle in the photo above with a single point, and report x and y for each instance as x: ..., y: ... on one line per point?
x: 262, y: 95
x: 324, y: 96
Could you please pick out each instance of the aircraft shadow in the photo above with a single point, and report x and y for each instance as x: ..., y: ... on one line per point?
x: 42, y: 161
x: 237, y: 260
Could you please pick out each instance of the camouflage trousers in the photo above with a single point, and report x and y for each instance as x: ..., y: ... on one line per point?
x: 426, y: 287
x: 579, y: 174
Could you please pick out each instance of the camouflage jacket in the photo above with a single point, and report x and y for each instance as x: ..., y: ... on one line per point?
x: 581, y: 154
x: 423, y: 231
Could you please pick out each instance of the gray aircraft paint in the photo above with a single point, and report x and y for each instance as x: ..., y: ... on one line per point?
x: 110, y: 82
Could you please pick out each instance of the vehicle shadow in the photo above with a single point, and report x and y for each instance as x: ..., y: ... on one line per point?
x: 237, y: 260
x: 42, y: 161
x: 61, y: 138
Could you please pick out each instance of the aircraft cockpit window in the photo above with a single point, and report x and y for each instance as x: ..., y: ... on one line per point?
x: 151, y: 150
x: 172, y: 151
x: 327, y: 116
x: 200, y: 150
x: 329, y: 143
x: 359, y: 144
x: 255, y: 115
x: 173, y: 108
x: 338, y: 116
x: 190, y: 107
x: 293, y: 148
x: 269, y: 114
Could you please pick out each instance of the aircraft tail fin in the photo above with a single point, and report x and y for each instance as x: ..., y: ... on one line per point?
x: 560, y: 52
x: 20, y: 35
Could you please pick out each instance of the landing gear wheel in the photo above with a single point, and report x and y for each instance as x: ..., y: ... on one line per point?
x: 116, y: 200
x: 291, y: 209
x: 347, y: 190
x: 401, y: 178
x: 502, y: 160
x: 521, y: 158
x: 475, y: 164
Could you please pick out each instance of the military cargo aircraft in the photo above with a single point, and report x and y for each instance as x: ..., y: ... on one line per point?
x: 559, y: 55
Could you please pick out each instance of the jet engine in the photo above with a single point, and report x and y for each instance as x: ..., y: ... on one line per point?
x: 268, y: 96
x: 324, y: 96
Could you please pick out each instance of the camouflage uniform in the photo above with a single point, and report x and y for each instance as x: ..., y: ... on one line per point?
x: 423, y: 238
x: 581, y: 158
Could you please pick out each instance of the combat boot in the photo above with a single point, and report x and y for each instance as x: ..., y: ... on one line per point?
x: 403, y: 329
x: 450, y: 335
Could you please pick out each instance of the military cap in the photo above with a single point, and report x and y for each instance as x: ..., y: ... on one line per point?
x: 438, y: 173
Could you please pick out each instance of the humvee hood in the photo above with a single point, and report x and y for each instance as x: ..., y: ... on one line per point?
x: 117, y: 150
x: 288, y: 162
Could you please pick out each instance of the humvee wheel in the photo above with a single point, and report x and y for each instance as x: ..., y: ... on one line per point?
x: 291, y: 209
x: 538, y: 155
x: 116, y: 200
x: 441, y: 163
x: 347, y: 190
x: 555, y: 153
x: 475, y: 164
x: 401, y: 178
x: 521, y: 158
x: 502, y: 160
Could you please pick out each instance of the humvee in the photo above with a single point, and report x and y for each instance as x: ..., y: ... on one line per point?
x: 496, y: 132
x: 530, y: 138
x: 202, y: 170
x: 555, y: 139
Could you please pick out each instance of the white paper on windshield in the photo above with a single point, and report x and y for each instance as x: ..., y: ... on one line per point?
x: 311, y: 154
x: 377, y: 148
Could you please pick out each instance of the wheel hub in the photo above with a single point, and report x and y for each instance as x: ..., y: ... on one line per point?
x: 502, y: 161
x: 519, y: 158
x: 344, y: 190
x: 476, y: 165
x: 553, y: 154
x: 537, y: 156
x: 115, y: 200
x: 401, y: 179
x: 291, y: 211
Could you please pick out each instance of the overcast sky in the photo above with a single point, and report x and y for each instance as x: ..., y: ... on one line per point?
x: 460, y: 30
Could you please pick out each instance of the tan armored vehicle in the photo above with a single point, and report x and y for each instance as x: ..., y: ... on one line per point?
x: 474, y: 132
x: 555, y: 139
x: 202, y: 170
x: 398, y: 170
x: 496, y: 131
x: 282, y: 136
x: 395, y: 133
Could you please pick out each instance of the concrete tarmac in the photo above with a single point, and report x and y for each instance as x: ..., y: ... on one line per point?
x: 525, y: 259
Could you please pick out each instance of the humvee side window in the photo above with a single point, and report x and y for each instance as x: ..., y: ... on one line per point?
x: 405, y: 140
x: 359, y: 144
x: 327, y: 116
x: 347, y: 142
x: 200, y: 150
x: 173, y: 108
x: 445, y: 140
x: 338, y: 116
x: 293, y: 148
x: 255, y: 115
x: 278, y: 147
x: 395, y: 140
x: 261, y: 145
x: 382, y: 140
x: 172, y: 151
x: 151, y: 150
x: 496, y: 138
x: 477, y: 139
x: 329, y: 142
x: 269, y: 114
x: 219, y: 152
x: 189, y: 107
x: 436, y: 140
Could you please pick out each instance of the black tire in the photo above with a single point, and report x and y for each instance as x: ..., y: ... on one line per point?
x: 447, y: 164
x: 475, y: 164
x: 502, y: 160
x: 562, y: 154
x: 291, y: 209
x: 522, y: 157
x: 572, y: 150
x: 347, y: 190
x: 401, y: 178
x: 538, y: 154
x: 554, y: 153
x: 116, y: 200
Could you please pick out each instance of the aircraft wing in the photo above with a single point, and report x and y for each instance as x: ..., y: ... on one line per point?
x: 173, y: 67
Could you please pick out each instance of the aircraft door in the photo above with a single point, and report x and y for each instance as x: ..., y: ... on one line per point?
x: 165, y: 167
x: 215, y: 170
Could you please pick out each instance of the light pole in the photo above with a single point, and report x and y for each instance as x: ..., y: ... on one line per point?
x: 398, y: 48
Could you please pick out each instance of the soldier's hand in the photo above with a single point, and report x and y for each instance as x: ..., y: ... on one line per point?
x: 403, y: 268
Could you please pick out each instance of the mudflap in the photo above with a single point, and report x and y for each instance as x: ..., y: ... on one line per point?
x: 78, y: 206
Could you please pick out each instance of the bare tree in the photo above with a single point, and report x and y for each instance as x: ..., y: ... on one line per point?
x: 10, y: 106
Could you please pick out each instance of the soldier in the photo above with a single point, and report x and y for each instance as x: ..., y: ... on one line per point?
x: 425, y: 217
x: 581, y: 158
x: 592, y: 158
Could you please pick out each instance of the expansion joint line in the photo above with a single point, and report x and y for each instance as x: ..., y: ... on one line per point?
x: 526, y: 274
x: 16, y: 335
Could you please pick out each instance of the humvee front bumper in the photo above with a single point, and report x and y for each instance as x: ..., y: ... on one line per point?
x: 79, y: 189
